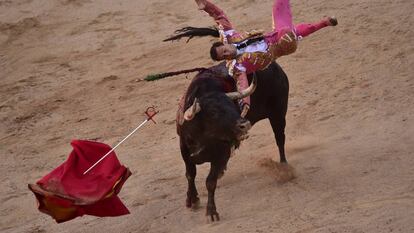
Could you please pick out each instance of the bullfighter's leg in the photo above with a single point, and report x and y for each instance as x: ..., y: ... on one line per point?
x: 282, y: 15
x: 191, y: 172
x: 278, y: 122
x: 283, y: 25
x: 305, y: 29
x: 282, y: 22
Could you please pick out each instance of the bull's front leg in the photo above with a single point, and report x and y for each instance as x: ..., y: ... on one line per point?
x: 211, y: 184
x: 192, y: 194
x: 191, y: 172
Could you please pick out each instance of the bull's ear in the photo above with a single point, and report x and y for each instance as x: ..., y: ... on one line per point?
x: 192, y: 111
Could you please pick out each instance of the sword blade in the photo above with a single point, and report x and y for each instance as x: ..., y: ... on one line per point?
x: 123, y: 140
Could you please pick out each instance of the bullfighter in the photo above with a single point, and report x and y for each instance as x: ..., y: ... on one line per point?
x: 249, y: 52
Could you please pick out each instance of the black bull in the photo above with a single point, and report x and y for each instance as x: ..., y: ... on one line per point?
x: 212, y: 134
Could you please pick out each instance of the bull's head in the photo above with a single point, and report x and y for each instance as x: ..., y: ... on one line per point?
x: 219, y: 115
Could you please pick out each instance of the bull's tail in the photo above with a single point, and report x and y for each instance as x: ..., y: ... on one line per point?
x: 191, y: 32
x: 153, y: 77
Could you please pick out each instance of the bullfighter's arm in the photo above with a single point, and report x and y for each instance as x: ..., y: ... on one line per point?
x: 242, y: 84
x: 227, y: 32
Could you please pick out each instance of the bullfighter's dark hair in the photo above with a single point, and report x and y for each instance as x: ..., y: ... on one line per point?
x: 191, y: 32
x: 213, y: 51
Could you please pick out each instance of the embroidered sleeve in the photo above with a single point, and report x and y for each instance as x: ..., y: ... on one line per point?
x: 226, y: 30
x: 248, y: 61
x: 218, y: 15
x: 239, y: 67
x: 234, y: 66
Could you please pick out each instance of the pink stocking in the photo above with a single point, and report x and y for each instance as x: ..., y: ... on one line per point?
x: 306, y: 29
x: 282, y: 15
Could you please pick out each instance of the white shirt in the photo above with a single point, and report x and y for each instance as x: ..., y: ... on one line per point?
x: 259, y: 46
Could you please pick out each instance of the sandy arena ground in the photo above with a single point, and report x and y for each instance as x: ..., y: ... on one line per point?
x: 72, y: 69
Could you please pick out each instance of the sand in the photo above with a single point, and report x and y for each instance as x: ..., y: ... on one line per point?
x: 72, y: 69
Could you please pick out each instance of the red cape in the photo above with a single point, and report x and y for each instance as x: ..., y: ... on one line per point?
x: 66, y: 193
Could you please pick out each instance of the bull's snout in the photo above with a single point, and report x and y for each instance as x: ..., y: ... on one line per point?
x: 243, y: 126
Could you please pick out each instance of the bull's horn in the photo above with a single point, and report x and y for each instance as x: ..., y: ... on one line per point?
x: 192, y: 111
x: 242, y: 94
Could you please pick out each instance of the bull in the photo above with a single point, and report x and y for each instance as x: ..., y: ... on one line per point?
x: 210, y: 127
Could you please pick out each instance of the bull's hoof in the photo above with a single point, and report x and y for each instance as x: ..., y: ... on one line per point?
x: 212, y: 216
x: 192, y: 202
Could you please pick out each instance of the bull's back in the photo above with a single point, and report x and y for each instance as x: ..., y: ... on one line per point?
x: 271, y: 94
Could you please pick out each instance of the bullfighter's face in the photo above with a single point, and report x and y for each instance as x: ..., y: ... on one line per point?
x: 226, y: 52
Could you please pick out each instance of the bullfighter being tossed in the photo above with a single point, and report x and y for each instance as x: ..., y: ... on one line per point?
x: 249, y: 52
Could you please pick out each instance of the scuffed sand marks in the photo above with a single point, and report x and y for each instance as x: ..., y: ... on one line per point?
x: 14, y: 30
x: 8, y: 3
x: 281, y: 172
x: 75, y: 2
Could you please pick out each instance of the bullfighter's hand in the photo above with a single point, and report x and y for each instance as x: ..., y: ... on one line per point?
x: 245, y: 110
x: 201, y: 4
